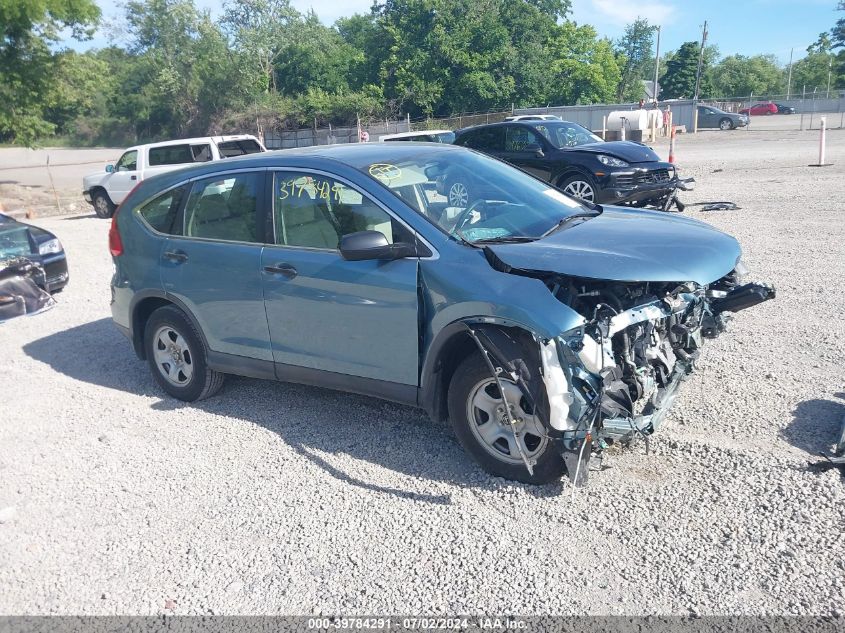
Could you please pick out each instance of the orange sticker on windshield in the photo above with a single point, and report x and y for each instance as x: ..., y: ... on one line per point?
x: 385, y: 172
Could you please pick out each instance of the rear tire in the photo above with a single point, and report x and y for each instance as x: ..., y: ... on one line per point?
x: 177, y: 356
x: 473, y: 390
x: 103, y: 206
x: 458, y: 192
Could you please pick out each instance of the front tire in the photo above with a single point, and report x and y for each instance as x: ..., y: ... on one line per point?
x: 726, y: 124
x: 177, y: 356
x: 476, y: 411
x: 103, y: 206
x: 579, y: 187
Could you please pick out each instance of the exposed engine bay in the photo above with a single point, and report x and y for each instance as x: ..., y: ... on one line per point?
x: 614, y: 378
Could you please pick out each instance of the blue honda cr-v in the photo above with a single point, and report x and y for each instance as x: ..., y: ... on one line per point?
x: 543, y: 328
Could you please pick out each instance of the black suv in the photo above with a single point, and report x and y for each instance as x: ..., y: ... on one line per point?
x: 573, y: 159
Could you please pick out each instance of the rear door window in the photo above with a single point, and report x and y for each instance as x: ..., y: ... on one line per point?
x: 225, y: 207
x: 239, y: 148
x: 170, y: 155
x: 486, y: 140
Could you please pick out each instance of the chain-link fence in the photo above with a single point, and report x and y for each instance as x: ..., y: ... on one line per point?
x: 793, y: 112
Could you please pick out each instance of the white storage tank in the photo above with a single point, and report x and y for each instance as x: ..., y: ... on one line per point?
x: 633, y: 119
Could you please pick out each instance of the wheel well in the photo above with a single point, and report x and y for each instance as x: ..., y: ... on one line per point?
x: 570, y: 173
x: 454, y: 351
x: 99, y: 188
x: 140, y: 316
x: 514, y: 342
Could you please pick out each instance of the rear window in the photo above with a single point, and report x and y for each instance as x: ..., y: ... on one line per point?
x: 179, y: 154
x: 239, y: 148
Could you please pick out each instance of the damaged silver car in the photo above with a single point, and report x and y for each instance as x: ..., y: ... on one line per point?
x: 543, y: 328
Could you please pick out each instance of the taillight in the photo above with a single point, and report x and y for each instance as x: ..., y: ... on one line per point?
x: 115, y: 243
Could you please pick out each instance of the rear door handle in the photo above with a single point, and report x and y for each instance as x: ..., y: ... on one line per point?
x: 180, y: 257
x: 133, y: 177
x: 286, y: 270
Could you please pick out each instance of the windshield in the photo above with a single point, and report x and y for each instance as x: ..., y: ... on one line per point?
x: 473, y: 197
x: 564, y: 134
x: 14, y: 242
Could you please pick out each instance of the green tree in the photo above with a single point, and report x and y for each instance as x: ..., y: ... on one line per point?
x: 822, y: 45
x: 811, y: 72
x: 837, y: 33
x: 634, y: 53
x: 82, y: 84
x: 678, y: 80
x: 584, y: 68
x: 314, y: 57
x: 27, y: 65
x: 738, y: 75
x: 260, y: 29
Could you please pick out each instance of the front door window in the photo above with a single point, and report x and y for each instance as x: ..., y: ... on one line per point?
x: 128, y: 162
x: 314, y: 211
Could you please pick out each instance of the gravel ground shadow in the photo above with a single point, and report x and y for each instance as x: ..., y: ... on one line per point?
x: 321, y: 425
x: 816, y: 424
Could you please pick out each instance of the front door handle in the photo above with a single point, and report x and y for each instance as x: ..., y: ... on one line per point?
x: 286, y: 270
x: 179, y: 257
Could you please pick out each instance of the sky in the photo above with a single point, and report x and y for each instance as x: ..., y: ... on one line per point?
x: 736, y: 27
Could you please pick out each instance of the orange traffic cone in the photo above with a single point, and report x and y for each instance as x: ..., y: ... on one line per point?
x: 672, y: 145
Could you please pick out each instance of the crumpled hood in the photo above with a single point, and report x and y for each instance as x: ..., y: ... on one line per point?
x: 626, y: 150
x: 629, y: 245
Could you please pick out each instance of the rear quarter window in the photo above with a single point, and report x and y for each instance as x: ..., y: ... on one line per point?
x: 161, y: 212
x: 239, y: 148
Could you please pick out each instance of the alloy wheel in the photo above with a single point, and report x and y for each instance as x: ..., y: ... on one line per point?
x: 580, y: 189
x: 458, y: 195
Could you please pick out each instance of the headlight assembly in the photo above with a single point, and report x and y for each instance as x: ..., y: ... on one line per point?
x: 610, y: 161
x: 50, y: 247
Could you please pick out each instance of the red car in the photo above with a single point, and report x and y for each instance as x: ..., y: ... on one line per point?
x: 760, y: 108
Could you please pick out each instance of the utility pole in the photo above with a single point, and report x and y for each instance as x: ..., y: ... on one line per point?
x: 789, y: 79
x: 829, y: 69
x: 656, y: 66
x: 700, y: 60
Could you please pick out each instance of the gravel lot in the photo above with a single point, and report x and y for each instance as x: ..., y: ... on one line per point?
x: 277, y: 498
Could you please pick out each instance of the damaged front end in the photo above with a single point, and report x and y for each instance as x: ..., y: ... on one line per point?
x: 22, y: 284
x: 614, y: 378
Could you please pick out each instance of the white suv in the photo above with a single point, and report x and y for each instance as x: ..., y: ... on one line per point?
x: 104, y: 191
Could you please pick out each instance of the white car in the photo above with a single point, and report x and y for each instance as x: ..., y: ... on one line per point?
x: 105, y: 190
x: 533, y: 117
x: 421, y: 136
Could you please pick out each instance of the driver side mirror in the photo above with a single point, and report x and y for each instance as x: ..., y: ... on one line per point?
x: 535, y: 149
x: 365, y: 245
x: 109, y: 169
